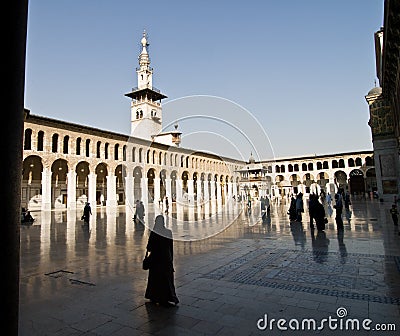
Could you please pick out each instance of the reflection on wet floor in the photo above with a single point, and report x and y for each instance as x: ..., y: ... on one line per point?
x: 367, y: 230
x: 62, y: 259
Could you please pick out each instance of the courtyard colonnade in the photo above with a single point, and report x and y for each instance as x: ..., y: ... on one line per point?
x: 66, y: 165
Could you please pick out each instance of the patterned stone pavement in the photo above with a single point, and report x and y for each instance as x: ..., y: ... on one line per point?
x: 89, y: 282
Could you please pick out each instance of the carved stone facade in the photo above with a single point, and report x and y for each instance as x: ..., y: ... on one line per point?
x: 354, y: 171
x: 384, y: 104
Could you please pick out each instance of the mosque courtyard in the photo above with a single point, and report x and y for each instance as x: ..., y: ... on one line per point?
x: 234, y: 273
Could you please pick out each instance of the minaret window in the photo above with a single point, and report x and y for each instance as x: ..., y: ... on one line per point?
x: 98, y: 149
x: 54, y: 145
x: 116, y: 149
x: 28, y: 139
x: 124, y: 153
x: 141, y: 114
x: 65, y: 144
x: 87, y: 147
x: 78, y: 146
x: 137, y: 114
x: 106, y: 150
x: 140, y: 155
x: 40, y: 141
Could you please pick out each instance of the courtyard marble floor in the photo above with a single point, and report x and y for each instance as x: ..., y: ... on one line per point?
x: 233, y: 272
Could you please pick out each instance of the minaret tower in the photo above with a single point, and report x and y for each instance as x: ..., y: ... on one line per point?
x: 146, y: 109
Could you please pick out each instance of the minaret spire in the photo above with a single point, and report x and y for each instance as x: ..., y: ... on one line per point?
x: 144, y: 60
x: 146, y: 109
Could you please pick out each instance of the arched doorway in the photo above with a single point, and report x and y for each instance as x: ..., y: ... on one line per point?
x: 137, y: 181
x: 120, y: 174
x: 357, y: 184
x: 341, y: 179
x: 295, y: 181
x: 195, y: 177
x: 59, y: 171
x: 163, y: 190
x: 323, y: 179
x: 174, y: 175
x: 82, y: 192
x: 370, y: 180
x: 101, y: 184
x: 150, y: 184
x: 31, y: 197
x: 308, y: 181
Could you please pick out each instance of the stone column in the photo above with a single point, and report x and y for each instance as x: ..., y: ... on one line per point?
x: 178, y: 190
x: 190, y: 192
x: 111, y: 190
x: 212, y: 190
x: 145, y: 192
x: 229, y: 191
x: 130, y: 202
x: 157, y: 192
x: 46, y: 189
x: 168, y: 189
x: 71, y: 190
x: 219, y: 191
x: 206, y: 194
x: 92, y: 189
x: 199, y: 193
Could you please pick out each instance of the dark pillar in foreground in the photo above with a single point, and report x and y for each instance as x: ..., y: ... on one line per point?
x: 13, y: 20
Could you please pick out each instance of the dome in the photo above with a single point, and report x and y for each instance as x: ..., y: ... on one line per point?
x: 375, y: 91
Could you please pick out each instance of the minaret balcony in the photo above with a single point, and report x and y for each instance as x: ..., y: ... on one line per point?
x: 145, y: 68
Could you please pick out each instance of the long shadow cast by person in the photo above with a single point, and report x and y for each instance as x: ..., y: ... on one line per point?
x: 298, y: 234
x: 342, y: 247
x: 320, y: 246
x: 86, y: 232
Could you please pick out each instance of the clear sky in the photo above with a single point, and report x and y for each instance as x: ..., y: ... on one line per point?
x: 300, y: 68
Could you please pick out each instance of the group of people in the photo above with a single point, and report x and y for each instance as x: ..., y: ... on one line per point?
x: 316, y: 208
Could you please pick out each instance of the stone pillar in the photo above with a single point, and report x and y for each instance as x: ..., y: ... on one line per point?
x: 111, y: 190
x: 199, y: 193
x: 157, y: 192
x: 234, y: 189
x: 219, y: 191
x: 168, y: 189
x: 190, y: 192
x: 92, y: 189
x: 46, y: 189
x: 145, y: 191
x: 71, y: 190
x: 229, y: 191
x: 178, y: 190
x: 130, y: 202
x: 206, y: 194
x: 212, y: 190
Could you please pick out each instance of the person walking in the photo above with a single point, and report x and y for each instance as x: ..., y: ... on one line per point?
x: 166, y: 204
x: 339, y: 209
x: 311, y: 209
x: 299, y: 207
x: 140, y: 212
x: 268, y: 206
x: 160, y: 284
x: 292, y: 209
x: 319, y: 215
x: 329, y: 199
x: 87, y: 211
x: 394, y: 213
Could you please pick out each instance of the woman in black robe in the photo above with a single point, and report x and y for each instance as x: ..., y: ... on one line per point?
x: 160, y: 284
